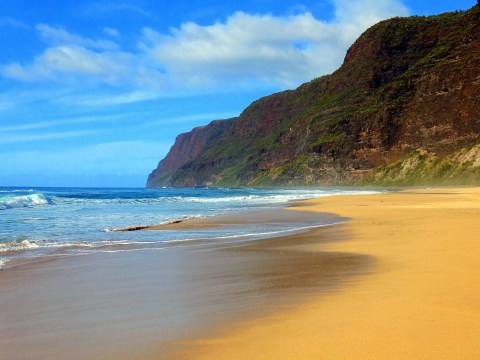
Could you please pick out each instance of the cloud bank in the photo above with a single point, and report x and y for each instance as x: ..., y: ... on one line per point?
x: 244, y: 51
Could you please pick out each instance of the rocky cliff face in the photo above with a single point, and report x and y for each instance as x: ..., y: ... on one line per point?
x: 187, y: 146
x: 405, y: 84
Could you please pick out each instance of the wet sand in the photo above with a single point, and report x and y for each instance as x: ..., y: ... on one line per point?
x: 272, y: 217
x: 398, y: 281
x: 153, y: 304
x: 422, y: 301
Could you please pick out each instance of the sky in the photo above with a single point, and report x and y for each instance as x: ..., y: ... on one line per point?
x: 93, y: 93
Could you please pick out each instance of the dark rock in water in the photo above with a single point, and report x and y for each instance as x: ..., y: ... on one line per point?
x: 406, y: 85
x: 131, y: 228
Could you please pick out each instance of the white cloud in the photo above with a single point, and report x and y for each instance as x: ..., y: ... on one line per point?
x: 72, y: 58
x: 244, y: 51
x: 68, y: 63
x: 248, y: 48
x: 58, y: 36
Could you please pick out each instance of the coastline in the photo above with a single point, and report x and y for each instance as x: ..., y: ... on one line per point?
x: 397, y: 281
x: 420, y: 302
x: 147, y: 304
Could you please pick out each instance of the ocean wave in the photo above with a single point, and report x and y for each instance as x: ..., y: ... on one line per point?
x: 273, y: 198
x: 245, y: 198
x: 18, y: 201
x: 17, y: 191
x: 57, y: 200
x: 25, y: 245
x: 15, y: 246
x: 285, y: 196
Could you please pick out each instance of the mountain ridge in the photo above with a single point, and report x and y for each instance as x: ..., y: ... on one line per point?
x: 405, y: 84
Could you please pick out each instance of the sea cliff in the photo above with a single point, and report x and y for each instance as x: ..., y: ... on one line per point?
x: 404, y: 108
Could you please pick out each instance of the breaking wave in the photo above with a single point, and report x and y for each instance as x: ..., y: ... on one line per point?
x: 270, y: 198
x: 72, y: 221
x: 17, y: 246
x: 240, y: 199
x: 17, y: 201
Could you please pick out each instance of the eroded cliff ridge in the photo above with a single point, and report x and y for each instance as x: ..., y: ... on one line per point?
x: 409, y: 88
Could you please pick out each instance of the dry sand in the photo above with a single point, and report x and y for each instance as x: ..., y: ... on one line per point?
x: 422, y: 301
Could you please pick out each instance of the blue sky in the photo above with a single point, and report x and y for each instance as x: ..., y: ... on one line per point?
x: 93, y: 93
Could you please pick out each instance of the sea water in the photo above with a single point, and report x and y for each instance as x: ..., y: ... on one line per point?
x: 42, y: 222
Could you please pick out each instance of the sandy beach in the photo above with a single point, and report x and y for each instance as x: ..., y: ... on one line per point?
x: 420, y: 302
x: 130, y: 302
x: 399, y: 280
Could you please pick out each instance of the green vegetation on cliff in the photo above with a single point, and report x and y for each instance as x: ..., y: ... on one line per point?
x: 400, y: 110
x: 422, y: 168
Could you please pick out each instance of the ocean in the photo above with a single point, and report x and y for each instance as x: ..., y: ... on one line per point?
x: 41, y: 222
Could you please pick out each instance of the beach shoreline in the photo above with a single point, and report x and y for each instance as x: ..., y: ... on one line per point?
x: 147, y: 304
x: 420, y: 302
x: 398, y: 280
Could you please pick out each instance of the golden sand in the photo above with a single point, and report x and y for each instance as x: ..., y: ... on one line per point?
x: 422, y: 301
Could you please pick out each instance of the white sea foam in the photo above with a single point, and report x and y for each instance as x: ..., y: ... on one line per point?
x: 274, y: 198
x: 17, y: 246
x: 10, y: 202
x: 24, y: 245
x: 17, y: 191
x: 3, y: 261
x: 131, y: 250
x: 277, y: 233
x: 287, y: 195
x: 49, y: 229
x: 182, y: 218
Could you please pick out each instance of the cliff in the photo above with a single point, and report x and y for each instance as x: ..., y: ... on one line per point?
x: 407, y: 86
